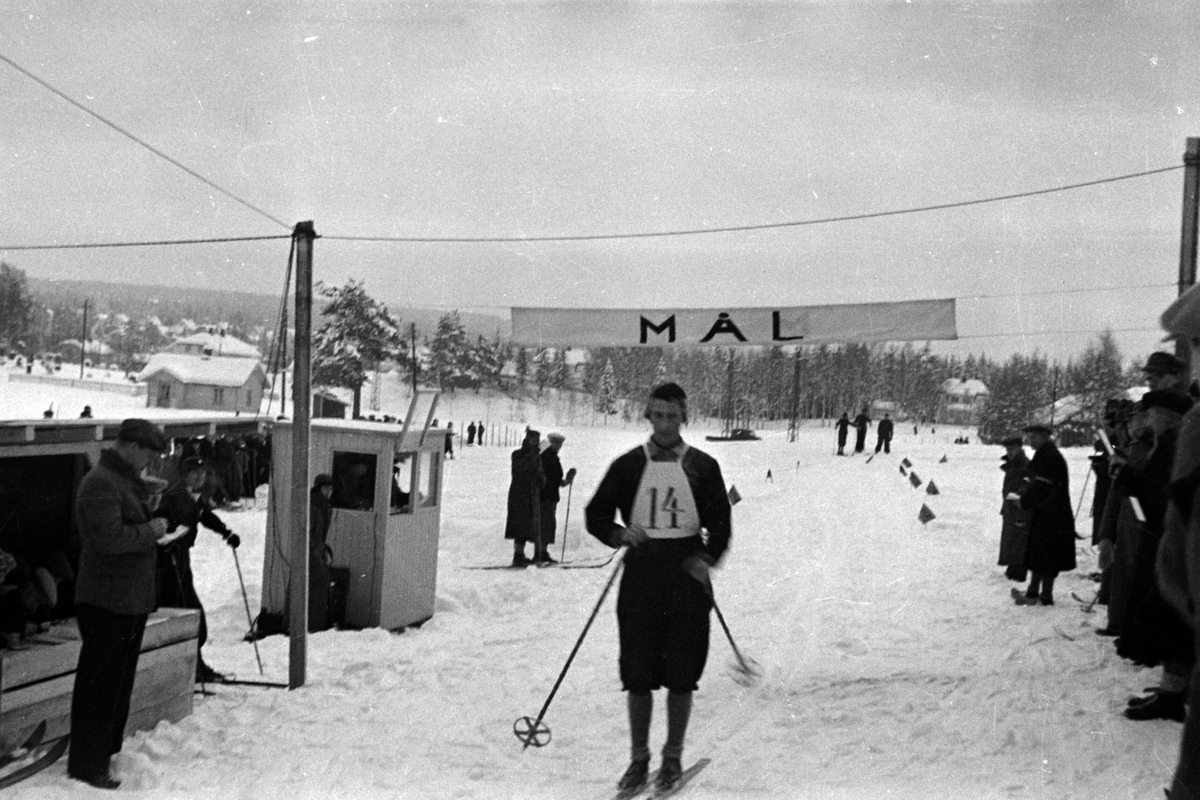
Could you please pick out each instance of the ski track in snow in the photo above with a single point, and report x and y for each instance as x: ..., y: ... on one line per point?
x: 895, y: 663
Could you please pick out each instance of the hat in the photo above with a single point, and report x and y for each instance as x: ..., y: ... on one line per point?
x: 1163, y: 363
x: 1012, y: 441
x: 1038, y: 427
x: 143, y: 433
x: 555, y: 437
x: 191, y: 465
x: 1170, y: 399
x: 324, y: 479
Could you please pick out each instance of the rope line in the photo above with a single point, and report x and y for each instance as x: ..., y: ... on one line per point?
x: 142, y: 142
x: 757, y: 227
x: 159, y: 243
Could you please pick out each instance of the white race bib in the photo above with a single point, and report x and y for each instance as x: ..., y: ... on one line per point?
x: 664, y: 505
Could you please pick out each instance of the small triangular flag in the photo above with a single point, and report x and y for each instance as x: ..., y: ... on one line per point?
x: 734, y: 496
x: 932, y: 488
x: 906, y: 463
x: 943, y: 459
x: 914, y: 480
x: 925, y: 515
x: 902, y: 470
x: 772, y: 480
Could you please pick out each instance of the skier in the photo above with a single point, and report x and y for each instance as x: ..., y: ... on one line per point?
x: 884, y: 434
x: 861, y: 423
x: 552, y: 470
x: 667, y: 493
x: 843, y: 426
x: 187, y: 504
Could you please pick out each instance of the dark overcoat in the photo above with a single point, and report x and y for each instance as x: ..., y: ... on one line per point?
x: 1014, y: 530
x: 1052, y: 523
x: 524, y: 495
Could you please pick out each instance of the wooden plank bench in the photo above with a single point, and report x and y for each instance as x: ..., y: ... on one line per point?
x: 36, y: 684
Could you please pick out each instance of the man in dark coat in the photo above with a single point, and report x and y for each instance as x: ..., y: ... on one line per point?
x: 843, y: 426
x: 861, y: 423
x: 471, y: 433
x: 668, y: 494
x: 1014, y: 531
x: 884, y: 434
x: 320, y: 556
x: 187, y: 505
x: 114, y: 595
x: 555, y: 479
x: 524, y: 522
x: 1047, y: 495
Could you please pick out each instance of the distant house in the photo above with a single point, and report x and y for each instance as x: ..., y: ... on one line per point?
x: 213, y: 343
x: 213, y: 384
x: 962, y: 401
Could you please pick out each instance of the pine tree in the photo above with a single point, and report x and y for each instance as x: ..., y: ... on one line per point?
x: 449, y: 351
x: 356, y: 334
x: 16, y: 307
x: 606, y: 397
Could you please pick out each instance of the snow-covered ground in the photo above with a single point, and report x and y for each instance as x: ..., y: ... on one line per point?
x: 896, y: 666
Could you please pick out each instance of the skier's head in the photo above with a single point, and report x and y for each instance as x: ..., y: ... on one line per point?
x: 668, y: 393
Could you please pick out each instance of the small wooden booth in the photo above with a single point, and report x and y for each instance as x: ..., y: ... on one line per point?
x: 386, y: 517
x: 41, y: 465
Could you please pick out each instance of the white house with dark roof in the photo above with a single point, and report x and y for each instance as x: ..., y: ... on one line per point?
x: 214, y: 384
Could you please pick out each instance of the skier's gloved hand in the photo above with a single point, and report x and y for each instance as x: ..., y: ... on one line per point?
x: 232, y: 539
x: 571, y: 475
x: 634, y: 535
x: 698, y: 568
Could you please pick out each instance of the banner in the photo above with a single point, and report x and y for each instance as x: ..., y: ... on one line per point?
x: 912, y: 320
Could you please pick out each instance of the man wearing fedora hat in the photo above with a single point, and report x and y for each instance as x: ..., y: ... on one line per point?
x: 114, y: 595
x: 1047, y: 496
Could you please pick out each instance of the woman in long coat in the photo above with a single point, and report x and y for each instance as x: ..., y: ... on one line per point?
x: 524, y: 497
x: 1014, y: 532
x: 1047, y: 495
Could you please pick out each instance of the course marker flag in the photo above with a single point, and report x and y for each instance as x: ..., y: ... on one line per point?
x: 932, y: 488
x: 925, y: 514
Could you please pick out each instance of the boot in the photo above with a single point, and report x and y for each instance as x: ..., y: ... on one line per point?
x: 669, y: 774
x: 1164, y: 705
x: 635, y: 777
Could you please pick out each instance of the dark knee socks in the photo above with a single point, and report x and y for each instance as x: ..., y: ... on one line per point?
x: 679, y: 710
x: 641, y: 709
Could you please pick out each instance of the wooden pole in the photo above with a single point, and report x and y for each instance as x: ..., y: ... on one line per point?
x: 303, y: 235
x: 1187, y: 239
x: 83, y: 340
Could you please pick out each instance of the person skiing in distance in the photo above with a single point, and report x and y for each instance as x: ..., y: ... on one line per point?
x: 861, y: 423
x: 667, y: 493
x: 843, y: 427
x: 884, y: 434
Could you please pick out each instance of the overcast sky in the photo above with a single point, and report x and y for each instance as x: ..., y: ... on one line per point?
x: 378, y: 119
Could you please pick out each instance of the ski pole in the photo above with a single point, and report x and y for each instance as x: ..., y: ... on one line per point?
x: 246, y: 600
x: 749, y: 670
x: 529, y: 730
x: 566, y: 519
x: 1079, y: 505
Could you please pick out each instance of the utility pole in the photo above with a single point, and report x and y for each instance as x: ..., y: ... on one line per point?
x: 413, y: 342
x: 303, y: 236
x: 1187, y: 239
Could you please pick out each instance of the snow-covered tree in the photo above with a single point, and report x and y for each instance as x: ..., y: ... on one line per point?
x: 606, y: 394
x: 16, y: 306
x: 449, y: 350
x: 356, y: 333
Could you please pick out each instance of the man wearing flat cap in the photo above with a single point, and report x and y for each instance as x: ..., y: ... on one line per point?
x: 114, y: 595
x: 1014, y: 528
x: 552, y: 469
x: 1047, y: 496
x: 1164, y: 371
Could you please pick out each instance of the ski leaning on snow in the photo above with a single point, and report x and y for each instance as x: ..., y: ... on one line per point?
x: 34, y: 761
x: 32, y: 741
x: 657, y: 793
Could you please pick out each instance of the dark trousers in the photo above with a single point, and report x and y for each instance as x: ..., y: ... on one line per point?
x: 103, y: 687
x: 177, y: 587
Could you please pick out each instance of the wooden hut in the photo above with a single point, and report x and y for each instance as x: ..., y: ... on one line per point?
x: 386, y: 517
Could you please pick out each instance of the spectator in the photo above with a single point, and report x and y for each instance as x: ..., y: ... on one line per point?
x: 471, y: 433
x: 1151, y: 632
x: 861, y: 423
x: 554, y: 480
x: 479, y: 434
x: 114, y: 595
x: 523, y: 523
x: 1014, y: 531
x: 87, y: 413
x: 449, y: 449
x: 1047, y: 495
x: 320, y: 555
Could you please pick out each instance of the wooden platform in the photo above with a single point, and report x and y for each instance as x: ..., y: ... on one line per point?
x: 36, y: 683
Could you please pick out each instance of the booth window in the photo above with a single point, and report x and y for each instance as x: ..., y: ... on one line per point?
x: 430, y: 476
x: 354, y: 480
x: 402, y: 483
